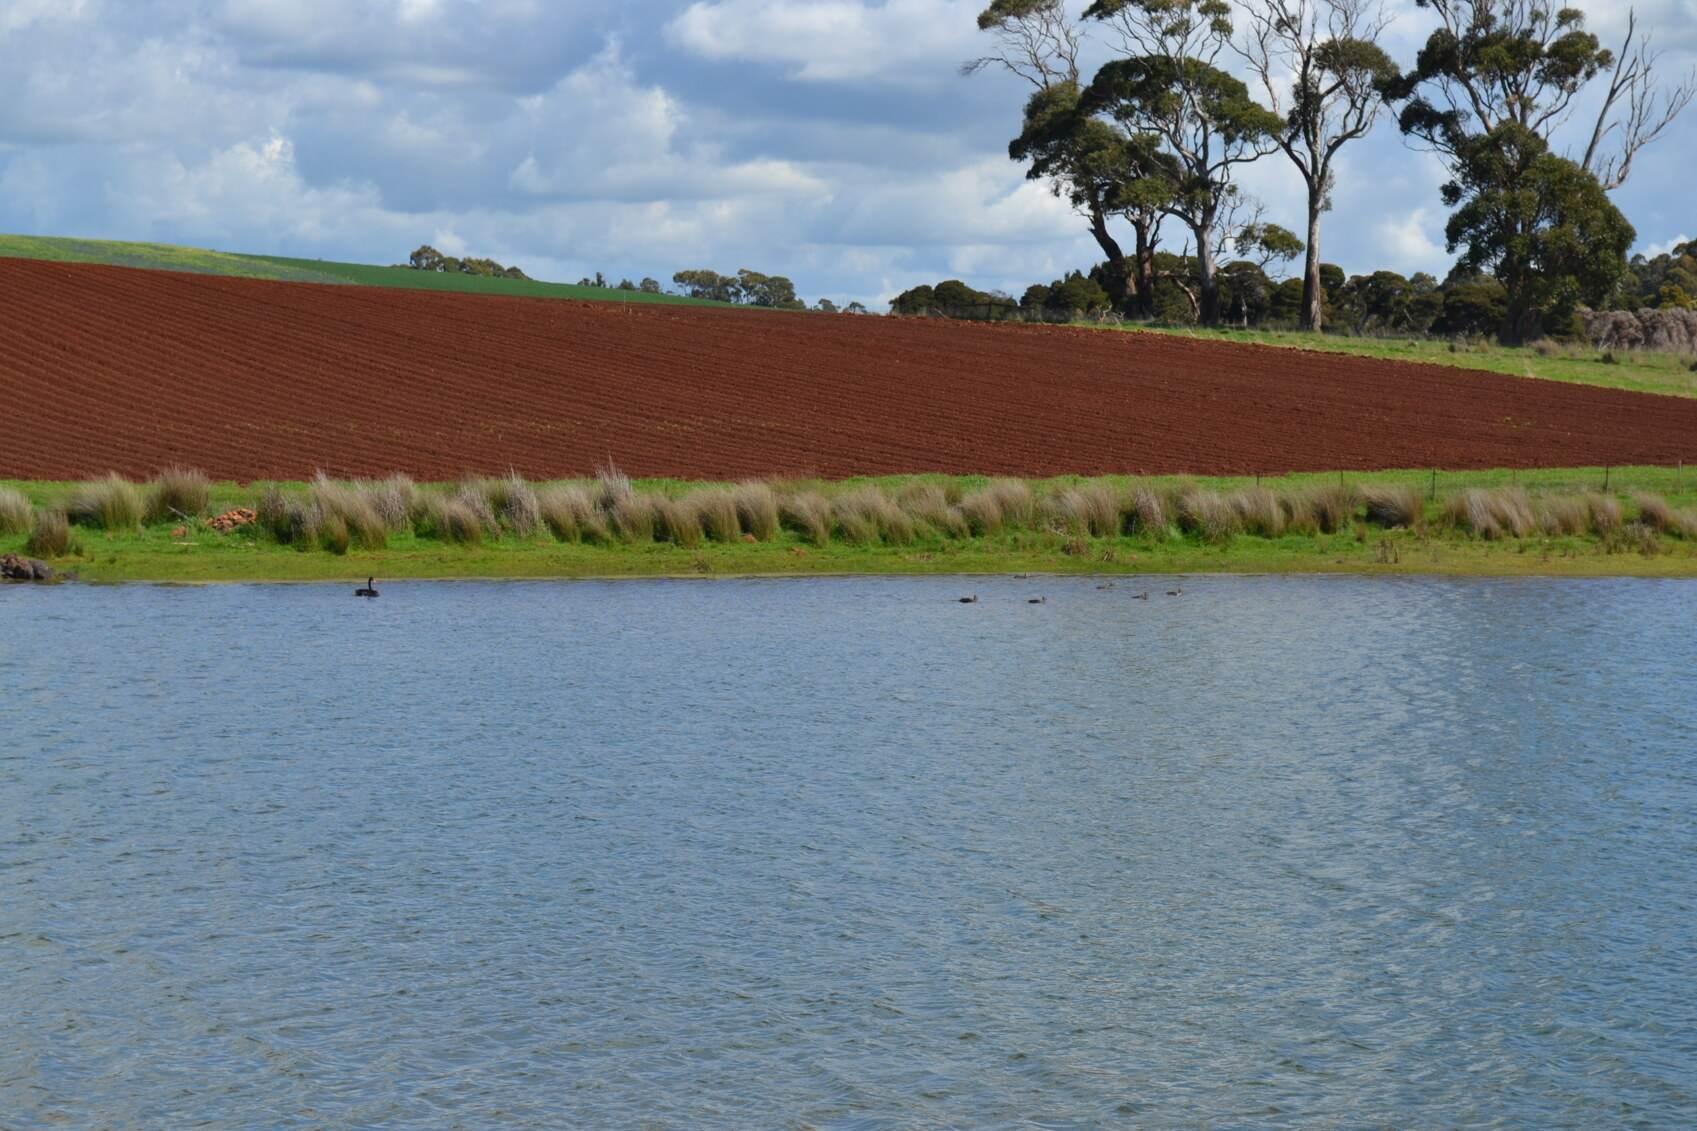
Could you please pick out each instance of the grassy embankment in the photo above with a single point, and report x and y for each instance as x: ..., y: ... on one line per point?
x: 1486, y: 523
x: 1637, y: 371
x: 164, y: 257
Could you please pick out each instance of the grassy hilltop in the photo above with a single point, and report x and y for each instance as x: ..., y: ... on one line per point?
x: 165, y: 257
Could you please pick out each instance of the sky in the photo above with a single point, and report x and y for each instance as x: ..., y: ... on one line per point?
x: 833, y: 141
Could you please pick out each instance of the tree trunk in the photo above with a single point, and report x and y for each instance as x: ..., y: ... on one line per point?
x: 1313, y: 290
x: 1145, y: 291
x: 1119, y: 283
x: 1208, y: 280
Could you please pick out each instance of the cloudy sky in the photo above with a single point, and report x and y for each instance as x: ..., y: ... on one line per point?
x: 830, y: 140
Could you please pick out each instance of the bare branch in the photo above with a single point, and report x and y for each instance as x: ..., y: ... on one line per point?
x: 1648, y: 109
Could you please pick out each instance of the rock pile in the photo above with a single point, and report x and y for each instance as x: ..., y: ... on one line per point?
x: 15, y: 567
x: 229, y: 520
x: 1669, y: 331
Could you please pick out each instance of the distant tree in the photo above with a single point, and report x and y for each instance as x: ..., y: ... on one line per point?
x: 706, y: 284
x: 825, y: 306
x: 773, y: 291
x: 625, y: 285
x: 425, y: 258
x: 1035, y: 298
x: 855, y: 308
x: 1538, y: 223
x: 914, y: 300
x: 952, y: 294
x: 649, y: 286
x: 1473, y: 306
x: 1337, y: 76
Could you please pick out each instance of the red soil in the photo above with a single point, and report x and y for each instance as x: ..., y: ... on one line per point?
x: 104, y: 368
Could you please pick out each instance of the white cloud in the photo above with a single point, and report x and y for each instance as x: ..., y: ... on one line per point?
x: 15, y: 15
x: 1405, y: 244
x: 833, y: 39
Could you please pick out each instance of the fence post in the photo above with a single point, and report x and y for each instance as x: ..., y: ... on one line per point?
x: 1433, y: 497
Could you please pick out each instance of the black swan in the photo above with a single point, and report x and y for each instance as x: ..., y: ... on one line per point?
x: 368, y: 591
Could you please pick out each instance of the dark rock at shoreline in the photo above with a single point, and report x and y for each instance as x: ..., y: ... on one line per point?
x: 15, y: 567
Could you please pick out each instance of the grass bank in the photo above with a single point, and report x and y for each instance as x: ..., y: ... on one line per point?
x: 1637, y: 371
x: 179, y: 527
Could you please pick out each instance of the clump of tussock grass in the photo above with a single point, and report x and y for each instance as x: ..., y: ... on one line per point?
x: 1258, y: 511
x: 50, y: 535
x: 177, y: 493
x: 1605, y: 511
x: 286, y: 517
x: 334, y: 534
x: 568, y: 511
x: 1327, y: 509
x: 632, y: 516
x: 347, y: 508
x: 1088, y: 508
x: 448, y: 519
x: 16, y: 513
x: 716, y: 511
x: 612, y: 487
x: 869, y: 511
x: 1146, y: 514
x: 112, y: 504
x: 807, y: 513
x: 1562, y: 515
x: 1391, y: 506
x: 395, y: 500
x: 1207, y: 515
x: 676, y: 521
x: 928, y: 505
x: 997, y: 504
x: 757, y: 510
x: 511, y: 502
x: 1488, y: 514
x: 1658, y: 515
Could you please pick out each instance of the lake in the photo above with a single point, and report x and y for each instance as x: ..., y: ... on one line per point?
x: 849, y: 853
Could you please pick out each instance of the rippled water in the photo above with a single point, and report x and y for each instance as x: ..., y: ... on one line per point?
x: 850, y: 854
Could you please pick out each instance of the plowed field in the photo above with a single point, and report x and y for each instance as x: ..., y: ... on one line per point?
x: 111, y: 369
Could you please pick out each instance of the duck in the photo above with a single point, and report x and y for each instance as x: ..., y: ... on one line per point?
x: 1175, y: 592
x: 1108, y: 585
x: 1037, y: 600
x: 370, y: 589
x: 972, y: 600
x: 1143, y: 596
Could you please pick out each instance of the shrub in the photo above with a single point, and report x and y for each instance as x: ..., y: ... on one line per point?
x: 1258, y: 511
x: 867, y: 515
x: 1492, y: 514
x: 474, y: 499
x: 1655, y: 513
x: 16, y: 513
x: 983, y: 512
x: 50, y: 536
x: 757, y: 510
x: 176, y: 493
x: 1089, y: 508
x: 1394, y: 506
x: 677, y: 522
x: 612, y: 487
x: 112, y: 504
x: 1333, y: 507
x: 716, y: 510
x: 568, y: 510
x: 808, y: 514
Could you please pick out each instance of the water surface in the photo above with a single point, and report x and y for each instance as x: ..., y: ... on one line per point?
x: 847, y: 853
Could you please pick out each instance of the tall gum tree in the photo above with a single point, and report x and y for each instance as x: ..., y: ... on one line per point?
x: 1326, y: 76
x: 1493, y: 85
x: 1166, y: 85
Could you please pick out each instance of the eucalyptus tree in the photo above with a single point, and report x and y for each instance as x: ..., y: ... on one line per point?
x: 1166, y: 84
x: 1323, y: 72
x: 1495, y: 83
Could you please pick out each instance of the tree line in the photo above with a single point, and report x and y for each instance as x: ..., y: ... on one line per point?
x: 1148, y: 150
